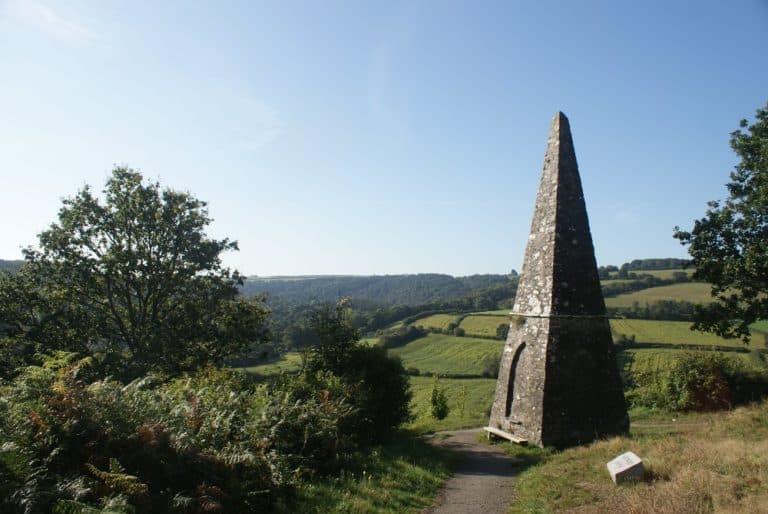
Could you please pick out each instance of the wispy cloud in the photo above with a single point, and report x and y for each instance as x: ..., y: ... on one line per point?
x: 47, y: 18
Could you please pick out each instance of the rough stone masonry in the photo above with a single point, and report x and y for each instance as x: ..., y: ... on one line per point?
x: 558, y: 382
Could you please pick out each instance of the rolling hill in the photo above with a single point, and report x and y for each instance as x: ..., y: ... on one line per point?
x: 382, y: 289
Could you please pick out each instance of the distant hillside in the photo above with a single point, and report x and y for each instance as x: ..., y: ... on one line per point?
x: 10, y: 266
x: 656, y: 264
x: 385, y: 289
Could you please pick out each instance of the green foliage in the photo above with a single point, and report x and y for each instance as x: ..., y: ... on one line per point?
x: 401, y: 336
x: 133, y: 277
x: 439, y: 401
x: 309, y: 420
x: 293, y: 331
x: 655, y: 264
x: 77, y: 446
x: 502, y: 330
x: 491, y: 365
x: 415, y: 289
x: 696, y: 381
x: 379, y: 384
x: 729, y: 246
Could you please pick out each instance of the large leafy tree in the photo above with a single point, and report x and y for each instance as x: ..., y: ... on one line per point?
x: 729, y: 245
x: 134, y: 279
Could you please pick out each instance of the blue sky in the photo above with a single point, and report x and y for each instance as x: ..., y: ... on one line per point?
x: 379, y: 137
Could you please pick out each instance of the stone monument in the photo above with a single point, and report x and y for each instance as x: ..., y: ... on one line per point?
x: 558, y: 381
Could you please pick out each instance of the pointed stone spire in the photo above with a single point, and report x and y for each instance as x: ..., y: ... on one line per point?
x: 558, y: 382
x: 559, y: 274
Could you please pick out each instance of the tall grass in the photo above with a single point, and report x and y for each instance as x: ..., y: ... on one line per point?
x: 402, y: 476
x: 719, y: 463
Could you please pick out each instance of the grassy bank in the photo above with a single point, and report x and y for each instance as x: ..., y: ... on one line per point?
x: 714, y: 462
x: 402, y: 476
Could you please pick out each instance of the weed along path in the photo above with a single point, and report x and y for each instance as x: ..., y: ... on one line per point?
x: 483, y: 479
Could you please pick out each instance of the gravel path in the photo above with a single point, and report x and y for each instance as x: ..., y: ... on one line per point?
x: 483, y: 479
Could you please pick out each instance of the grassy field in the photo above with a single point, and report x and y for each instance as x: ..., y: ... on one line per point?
x: 670, y: 332
x: 477, y: 325
x: 709, y: 463
x: 439, y: 321
x: 665, y: 273
x: 439, y: 353
x: 478, y: 394
x: 760, y: 326
x: 695, y: 292
x: 290, y: 361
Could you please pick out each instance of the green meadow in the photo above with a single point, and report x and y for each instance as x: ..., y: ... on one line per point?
x: 668, y: 332
x: 437, y: 321
x: 695, y: 292
x: 476, y: 394
x: 288, y: 362
x: 483, y: 325
x: 443, y: 354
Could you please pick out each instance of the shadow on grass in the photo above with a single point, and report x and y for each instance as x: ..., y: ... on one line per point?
x: 524, y: 457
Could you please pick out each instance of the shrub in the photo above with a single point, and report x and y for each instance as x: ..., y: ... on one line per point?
x: 402, y: 336
x: 69, y: 445
x: 380, y: 387
x: 381, y: 393
x: 308, y: 422
x: 439, y: 401
x: 698, y: 381
x: 491, y: 365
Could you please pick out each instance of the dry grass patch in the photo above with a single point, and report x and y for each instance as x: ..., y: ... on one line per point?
x: 717, y: 465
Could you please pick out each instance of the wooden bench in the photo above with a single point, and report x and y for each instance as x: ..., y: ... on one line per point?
x: 504, y: 435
